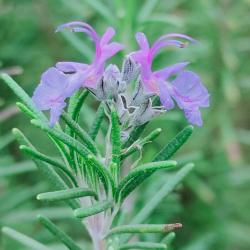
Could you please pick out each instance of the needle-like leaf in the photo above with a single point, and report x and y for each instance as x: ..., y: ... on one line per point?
x: 66, y: 139
x: 144, y: 228
x: 146, y: 9
x: 71, y: 193
x: 75, y: 104
x: 17, y: 169
x: 25, y: 110
x: 167, y: 188
x: 154, y: 202
x: 116, y: 142
x: 42, y: 157
x: 138, y: 175
x: 143, y: 245
x: 101, y: 9
x: 134, y: 135
x: 84, y: 136
x: 171, y: 148
x: 153, y: 135
x: 59, y: 234
x: 102, y: 172
x: 22, y: 95
x: 47, y: 171
x: 168, y: 238
x: 24, y: 239
x: 97, y: 122
x: 94, y: 209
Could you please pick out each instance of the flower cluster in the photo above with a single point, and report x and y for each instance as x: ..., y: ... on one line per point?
x: 172, y: 84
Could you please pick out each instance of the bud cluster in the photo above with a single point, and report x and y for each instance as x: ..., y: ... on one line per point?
x: 134, y: 107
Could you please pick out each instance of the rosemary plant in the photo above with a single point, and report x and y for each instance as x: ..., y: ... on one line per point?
x: 95, y: 183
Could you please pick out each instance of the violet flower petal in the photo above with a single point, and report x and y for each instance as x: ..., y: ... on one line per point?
x: 194, y: 117
x: 108, y: 51
x: 170, y: 70
x: 165, y: 97
x: 71, y: 67
x: 142, y: 41
x: 56, y: 112
x: 161, y: 44
x: 189, y: 92
x: 107, y: 36
x: 53, y: 89
x: 80, y: 27
x: 166, y: 40
x: 54, y: 78
x: 176, y: 35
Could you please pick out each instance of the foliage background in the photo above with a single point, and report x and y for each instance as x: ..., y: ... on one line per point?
x: 213, y: 202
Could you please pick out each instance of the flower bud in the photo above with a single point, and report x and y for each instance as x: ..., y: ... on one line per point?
x: 130, y: 69
x: 145, y: 112
x: 110, y: 84
x: 139, y: 95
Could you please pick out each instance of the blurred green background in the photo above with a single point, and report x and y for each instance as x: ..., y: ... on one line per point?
x: 213, y: 203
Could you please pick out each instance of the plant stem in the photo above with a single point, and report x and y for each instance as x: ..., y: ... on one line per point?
x: 99, y: 244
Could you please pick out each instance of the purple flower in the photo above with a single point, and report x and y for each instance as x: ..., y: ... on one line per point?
x: 186, y: 89
x: 103, y: 51
x: 60, y: 82
x: 52, y: 91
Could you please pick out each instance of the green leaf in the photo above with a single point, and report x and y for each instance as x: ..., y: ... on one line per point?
x: 143, y: 245
x: 102, y: 172
x: 25, y: 110
x: 168, y: 239
x: 22, y: 95
x: 134, y: 135
x: 76, y: 102
x: 16, y: 169
x: 102, y: 10
x: 143, y: 228
x: 200, y: 188
x: 138, y: 175
x: 146, y: 9
x: 97, y: 122
x: 154, y: 202
x: 47, y: 171
x: 13, y: 200
x: 5, y: 140
x: 166, y: 189
x: 37, y: 155
x: 75, y: 7
x: 58, y: 233
x: 71, y: 193
x: 56, y: 181
x: 27, y: 103
x: 170, y: 149
x: 84, y: 136
x: 116, y: 142
x: 96, y: 208
x: 20, y: 137
x: 74, y: 108
x: 24, y: 240
x: 113, y: 169
x: 115, y: 138
x: 68, y: 160
x: 66, y: 139
x: 30, y: 215
x: 153, y: 135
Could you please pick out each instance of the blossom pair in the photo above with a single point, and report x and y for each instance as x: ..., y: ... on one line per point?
x: 186, y: 89
x: 60, y: 82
